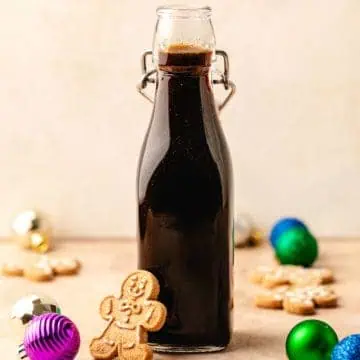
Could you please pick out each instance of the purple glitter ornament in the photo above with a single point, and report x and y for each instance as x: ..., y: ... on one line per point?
x: 51, y: 337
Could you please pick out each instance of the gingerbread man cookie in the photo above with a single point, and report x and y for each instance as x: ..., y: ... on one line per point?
x: 271, y: 277
x: 40, y: 271
x: 65, y: 266
x: 130, y: 317
x: 12, y: 269
x: 301, y: 301
x: 44, y: 269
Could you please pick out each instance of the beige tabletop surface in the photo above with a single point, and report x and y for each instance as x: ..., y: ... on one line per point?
x: 258, y: 334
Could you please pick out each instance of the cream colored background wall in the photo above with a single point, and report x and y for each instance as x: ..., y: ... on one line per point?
x: 71, y: 122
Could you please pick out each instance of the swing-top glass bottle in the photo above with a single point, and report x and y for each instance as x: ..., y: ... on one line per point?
x: 184, y: 185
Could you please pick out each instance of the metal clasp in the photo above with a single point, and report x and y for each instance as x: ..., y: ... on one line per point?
x: 149, y: 76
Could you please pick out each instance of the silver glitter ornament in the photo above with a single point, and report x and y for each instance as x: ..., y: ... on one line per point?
x: 26, y: 308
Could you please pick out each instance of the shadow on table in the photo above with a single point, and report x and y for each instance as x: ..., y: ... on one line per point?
x: 252, y: 340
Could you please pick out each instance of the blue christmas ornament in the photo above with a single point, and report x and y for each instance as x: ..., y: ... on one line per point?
x: 347, y: 349
x: 283, y: 225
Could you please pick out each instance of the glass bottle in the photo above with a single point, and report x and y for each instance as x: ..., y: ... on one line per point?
x: 184, y: 186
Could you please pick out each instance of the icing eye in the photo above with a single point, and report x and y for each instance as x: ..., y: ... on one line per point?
x: 142, y: 283
x: 137, y: 309
x: 123, y: 305
x: 132, y: 283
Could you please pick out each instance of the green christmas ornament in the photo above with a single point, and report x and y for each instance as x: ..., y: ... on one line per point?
x: 311, y: 340
x: 297, y: 246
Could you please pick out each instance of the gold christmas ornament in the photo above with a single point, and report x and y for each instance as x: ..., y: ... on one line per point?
x: 26, y: 308
x: 245, y: 232
x: 32, y: 231
x: 242, y: 231
x: 257, y: 236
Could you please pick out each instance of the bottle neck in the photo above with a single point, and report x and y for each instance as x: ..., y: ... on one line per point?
x: 184, y: 102
x: 183, y: 80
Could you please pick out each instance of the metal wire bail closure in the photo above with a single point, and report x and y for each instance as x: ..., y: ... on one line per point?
x: 149, y: 76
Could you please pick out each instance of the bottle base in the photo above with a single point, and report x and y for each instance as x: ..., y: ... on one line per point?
x: 183, y: 349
